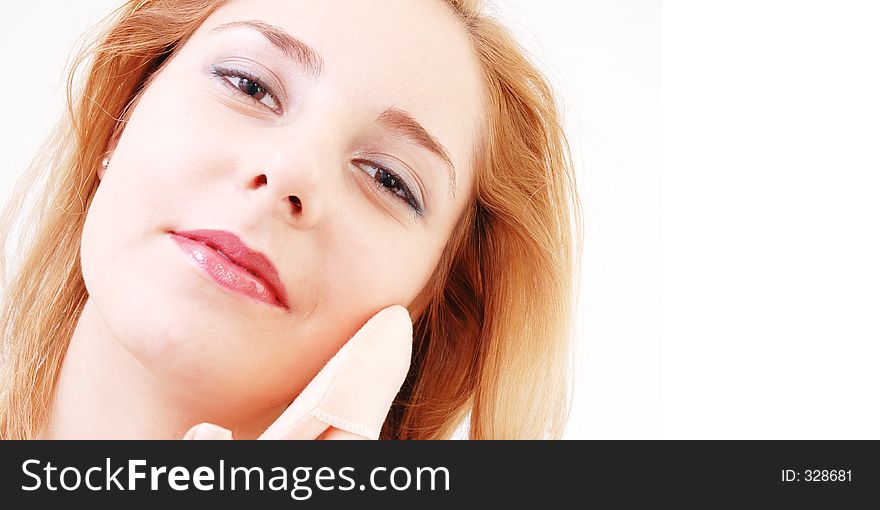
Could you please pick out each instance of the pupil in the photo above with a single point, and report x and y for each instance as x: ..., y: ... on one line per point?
x: 387, y: 180
x: 250, y: 87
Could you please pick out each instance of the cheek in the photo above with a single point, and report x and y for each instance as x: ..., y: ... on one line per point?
x: 379, y: 266
x: 177, y: 136
x: 347, y: 284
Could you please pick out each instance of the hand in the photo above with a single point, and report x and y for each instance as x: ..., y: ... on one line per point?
x: 350, y: 397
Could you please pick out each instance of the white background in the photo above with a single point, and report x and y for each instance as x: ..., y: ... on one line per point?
x: 735, y: 293
x: 770, y: 231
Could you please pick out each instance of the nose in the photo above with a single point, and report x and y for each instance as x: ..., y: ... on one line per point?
x: 290, y: 188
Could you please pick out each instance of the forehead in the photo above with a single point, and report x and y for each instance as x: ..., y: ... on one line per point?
x: 412, y: 55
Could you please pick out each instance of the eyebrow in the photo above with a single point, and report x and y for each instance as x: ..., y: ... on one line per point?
x: 406, y: 125
x: 290, y: 46
x: 394, y: 119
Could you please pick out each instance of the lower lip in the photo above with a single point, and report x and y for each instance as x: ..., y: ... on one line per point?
x: 225, y: 272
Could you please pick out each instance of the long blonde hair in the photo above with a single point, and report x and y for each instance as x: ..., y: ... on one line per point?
x: 492, y: 339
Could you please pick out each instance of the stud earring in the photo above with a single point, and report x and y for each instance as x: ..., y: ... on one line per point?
x: 105, y: 163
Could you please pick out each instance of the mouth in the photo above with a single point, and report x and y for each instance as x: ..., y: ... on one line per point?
x: 227, y: 260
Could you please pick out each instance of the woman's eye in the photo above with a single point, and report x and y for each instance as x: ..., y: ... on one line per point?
x: 392, y: 183
x: 251, y: 86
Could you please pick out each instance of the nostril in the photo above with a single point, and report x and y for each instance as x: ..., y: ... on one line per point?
x: 259, y: 180
x: 295, y: 202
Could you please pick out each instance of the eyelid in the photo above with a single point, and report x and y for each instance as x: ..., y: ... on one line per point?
x: 409, y: 177
x: 263, y: 76
x: 224, y: 73
x: 410, y: 183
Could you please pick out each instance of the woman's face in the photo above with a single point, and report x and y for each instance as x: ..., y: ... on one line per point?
x: 358, y: 109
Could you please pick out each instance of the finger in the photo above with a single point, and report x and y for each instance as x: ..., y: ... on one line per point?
x: 355, y: 389
x: 208, y: 431
x: 335, y: 434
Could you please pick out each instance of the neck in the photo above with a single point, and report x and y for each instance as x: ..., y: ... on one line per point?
x: 103, y: 392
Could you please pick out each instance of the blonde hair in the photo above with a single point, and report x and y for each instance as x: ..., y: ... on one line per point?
x: 492, y: 338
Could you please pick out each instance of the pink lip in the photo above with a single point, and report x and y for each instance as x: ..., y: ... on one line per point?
x: 230, y: 263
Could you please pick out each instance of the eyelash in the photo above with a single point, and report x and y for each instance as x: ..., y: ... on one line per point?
x: 225, y: 73
x: 408, y: 196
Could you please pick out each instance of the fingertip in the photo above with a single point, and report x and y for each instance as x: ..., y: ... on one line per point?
x: 190, y: 433
x: 209, y: 432
x: 396, y: 329
x: 398, y: 314
x: 334, y: 434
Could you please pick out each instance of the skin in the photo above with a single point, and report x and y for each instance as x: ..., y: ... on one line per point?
x: 160, y: 347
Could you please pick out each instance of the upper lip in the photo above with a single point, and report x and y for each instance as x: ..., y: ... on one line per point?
x: 232, y: 247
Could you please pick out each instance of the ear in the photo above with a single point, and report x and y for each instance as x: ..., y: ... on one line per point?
x: 102, y: 168
x: 108, y: 154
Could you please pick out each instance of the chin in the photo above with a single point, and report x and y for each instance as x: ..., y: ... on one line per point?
x: 180, y: 343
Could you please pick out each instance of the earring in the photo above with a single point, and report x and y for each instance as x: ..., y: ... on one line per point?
x: 105, y: 163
